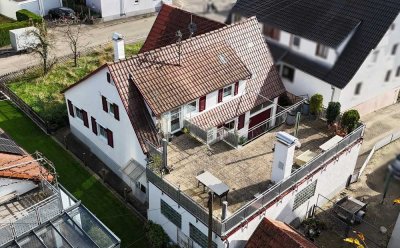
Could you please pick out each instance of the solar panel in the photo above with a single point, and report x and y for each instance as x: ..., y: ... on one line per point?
x: 9, y: 146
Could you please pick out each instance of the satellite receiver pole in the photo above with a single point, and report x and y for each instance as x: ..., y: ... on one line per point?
x: 192, y: 27
x: 179, y: 35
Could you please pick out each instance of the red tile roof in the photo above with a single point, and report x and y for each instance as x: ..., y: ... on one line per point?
x: 169, y: 21
x: 166, y: 83
x: 276, y: 234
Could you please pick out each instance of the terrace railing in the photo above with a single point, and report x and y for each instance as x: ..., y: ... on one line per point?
x: 277, y: 190
x: 196, y: 131
x: 273, y: 121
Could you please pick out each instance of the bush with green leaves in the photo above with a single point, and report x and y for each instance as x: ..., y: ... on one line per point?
x: 350, y: 120
x: 156, y: 236
x: 316, y: 104
x: 332, y: 112
x: 26, y: 15
x: 5, y: 31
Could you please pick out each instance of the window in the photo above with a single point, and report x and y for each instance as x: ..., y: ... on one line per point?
x: 392, y: 27
x: 259, y: 107
x: 192, y: 107
x: 200, y: 238
x: 79, y: 113
x: 236, y: 17
x: 135, y: 1
x: 375, y: 56
x: 171, y: 214
x: 230, y: 125
x: 387, y: 77
x: 322, y: 51
x: 110, y: 108
x: 358, y: 89
x: 288, y: 72
x: 227, y: 91
x: 394, y: 49
x: 295, y: 41
x: 398, y: 71
x: 103, y: 131
x: 304, y: 195
x: 271, y: 32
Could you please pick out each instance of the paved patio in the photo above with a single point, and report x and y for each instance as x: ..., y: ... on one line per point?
x: 246, y: 171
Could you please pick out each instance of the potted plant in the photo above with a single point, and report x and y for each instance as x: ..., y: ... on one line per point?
x: 350, y: 120
x: 316, y: 104
x: 305, y: 108
x: 332, y: 112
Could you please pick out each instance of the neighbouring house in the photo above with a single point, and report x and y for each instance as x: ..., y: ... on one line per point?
x: 115, y: 9
x: 200, y: 109
x: 35, y: 210
x: 348, y: 51
x: 40, y: 7
x: 276, y: 234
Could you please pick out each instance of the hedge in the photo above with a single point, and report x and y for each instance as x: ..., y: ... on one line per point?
x: 26, y: 15
x: 6, y: 27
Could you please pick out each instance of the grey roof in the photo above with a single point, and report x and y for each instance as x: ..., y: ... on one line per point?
x: 327, y: 22
x: 9, y: 146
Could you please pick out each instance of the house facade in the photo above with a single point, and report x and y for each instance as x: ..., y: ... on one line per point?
x: 40, y: 7
x: 115, y: 9
x: 338, y: 50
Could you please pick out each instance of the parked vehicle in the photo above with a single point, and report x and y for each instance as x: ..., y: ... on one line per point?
x: 62, y: 12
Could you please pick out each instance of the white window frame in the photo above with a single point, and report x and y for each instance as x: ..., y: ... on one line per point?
x: 227, y: 96
x: 375, y: 56
x: 322, y: 51
x: 234, y: 125
x: 190, y: 109
x: 78, y: 110
x: 110, y: 107
x: 292, y: 41
x: 102, y: 137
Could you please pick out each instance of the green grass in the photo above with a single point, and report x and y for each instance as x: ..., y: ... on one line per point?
x: 42, y: 93
x: 73, y: 177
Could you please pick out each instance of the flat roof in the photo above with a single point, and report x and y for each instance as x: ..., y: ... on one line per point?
x: 246, y: 171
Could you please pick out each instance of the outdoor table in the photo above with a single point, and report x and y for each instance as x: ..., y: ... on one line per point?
x: 214, y: 184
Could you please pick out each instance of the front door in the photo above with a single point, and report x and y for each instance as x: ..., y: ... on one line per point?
x: 175, y: 120
x: 256, y: 120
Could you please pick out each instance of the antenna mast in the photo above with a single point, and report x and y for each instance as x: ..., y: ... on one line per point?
x: 179, y: 35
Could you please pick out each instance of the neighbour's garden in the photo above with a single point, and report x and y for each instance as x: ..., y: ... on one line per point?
x: 42, y: 93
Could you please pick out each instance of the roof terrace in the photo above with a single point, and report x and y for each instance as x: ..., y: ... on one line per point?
x: 246, y: 171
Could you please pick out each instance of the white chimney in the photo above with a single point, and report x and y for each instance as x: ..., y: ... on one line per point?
x: 283, y: 156
x: 119, y: 47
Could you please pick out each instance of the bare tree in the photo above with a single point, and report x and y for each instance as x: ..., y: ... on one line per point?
x: 41, y: 42
x: 74, y: 33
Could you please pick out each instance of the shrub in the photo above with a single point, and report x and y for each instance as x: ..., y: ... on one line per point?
x: 156, y: 236
x: 6, y: 27
x: 350, y: 120
x: 26, y: 15
x: 332, y: 112
x: 316, y: 104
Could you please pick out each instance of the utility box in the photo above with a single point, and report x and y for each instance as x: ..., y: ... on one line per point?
x: 23, y: 39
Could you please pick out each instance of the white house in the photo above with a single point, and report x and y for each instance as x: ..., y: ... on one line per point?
x: 115, y: 9
x: 345, y: 50
x: 39, y: 7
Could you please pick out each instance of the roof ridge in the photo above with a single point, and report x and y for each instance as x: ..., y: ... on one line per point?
x: 160, y: 49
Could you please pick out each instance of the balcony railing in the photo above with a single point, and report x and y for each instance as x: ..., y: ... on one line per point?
x: 254, y: 206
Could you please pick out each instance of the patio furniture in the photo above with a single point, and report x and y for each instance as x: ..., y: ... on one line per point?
x: 305, y: 157
x: 330, y: 143
x: 218, y: 188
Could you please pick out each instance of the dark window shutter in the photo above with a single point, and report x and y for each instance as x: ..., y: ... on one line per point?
x: 110, y: 138
x: 104, y: 101
x: 94, y: 125
x: 220, y: 92
x: 116, y: 111
x: 202, y: 103
x: 241, y: 121
x: 108, y: 77
x: 71, y: 108
x: 85, y: 118
x: 236, y: 88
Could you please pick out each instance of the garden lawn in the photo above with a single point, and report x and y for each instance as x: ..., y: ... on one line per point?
x: 42, y: 93
x: 74, y: 177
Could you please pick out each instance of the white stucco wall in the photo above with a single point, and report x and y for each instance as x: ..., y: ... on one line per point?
x: 39, y: 7
x: 87, y: 96
x: 375, y: 92
x: 331, y: 180
x: 8, y: 185
x: 114, y: 9
x: 8, y: 8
